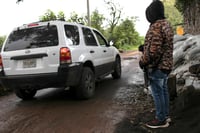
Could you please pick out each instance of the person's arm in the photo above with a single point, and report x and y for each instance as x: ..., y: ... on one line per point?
x: 156, y: 42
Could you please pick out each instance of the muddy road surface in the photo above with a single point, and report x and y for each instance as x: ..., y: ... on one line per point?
x: 55, y: 110
x: 119, y: 106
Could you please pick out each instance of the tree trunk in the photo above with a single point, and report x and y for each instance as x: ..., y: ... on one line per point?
x: 191, y: 18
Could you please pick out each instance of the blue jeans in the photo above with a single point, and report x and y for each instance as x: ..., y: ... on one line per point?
x: 158, y: 83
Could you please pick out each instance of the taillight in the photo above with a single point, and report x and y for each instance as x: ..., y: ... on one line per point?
x: 65, y: 55
x: 33, y: 24
x: 1, y: 62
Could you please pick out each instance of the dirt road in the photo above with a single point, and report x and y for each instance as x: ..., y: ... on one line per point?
x: 57, y: 111
x: 119, y: 106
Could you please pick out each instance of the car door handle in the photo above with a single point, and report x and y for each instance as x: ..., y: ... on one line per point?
x: 104, y: 51
x: 91, y: 51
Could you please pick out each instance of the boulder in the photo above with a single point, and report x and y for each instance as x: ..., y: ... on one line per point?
x: 195, y: 69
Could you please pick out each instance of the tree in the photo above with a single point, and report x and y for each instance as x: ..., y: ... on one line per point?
x: 97, y: 20
x: 74, y: 17
x: 191, y: 12
x: 171, y: 13
x: 49, y: 15
x: 2, y: 39
x: 61, y: 15
x: 115, y: 13
x: 125, y: 35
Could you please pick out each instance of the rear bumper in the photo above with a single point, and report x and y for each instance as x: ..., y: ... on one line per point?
x: 67, y: 75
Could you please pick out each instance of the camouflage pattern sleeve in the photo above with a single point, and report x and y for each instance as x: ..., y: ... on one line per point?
x: 153, y: 43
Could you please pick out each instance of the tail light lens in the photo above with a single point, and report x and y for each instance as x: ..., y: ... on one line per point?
x: 33, y: 24
x: 65, y: 55
x: 1, y: 62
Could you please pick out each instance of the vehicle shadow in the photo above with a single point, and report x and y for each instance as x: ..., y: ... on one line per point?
x: 105, y: 88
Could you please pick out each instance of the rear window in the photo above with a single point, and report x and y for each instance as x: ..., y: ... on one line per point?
x: 36, y: 37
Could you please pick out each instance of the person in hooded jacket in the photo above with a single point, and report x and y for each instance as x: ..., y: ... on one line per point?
x: 158, y: 58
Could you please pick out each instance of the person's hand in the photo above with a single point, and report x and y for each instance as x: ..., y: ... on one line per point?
x: 141, y: 48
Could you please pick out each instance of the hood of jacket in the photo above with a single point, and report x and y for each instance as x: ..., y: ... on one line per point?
x: 155, y: 11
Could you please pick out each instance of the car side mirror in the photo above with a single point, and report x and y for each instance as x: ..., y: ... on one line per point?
x: 111, y: 43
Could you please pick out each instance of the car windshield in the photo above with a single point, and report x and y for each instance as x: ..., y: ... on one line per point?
x: 35, y: 37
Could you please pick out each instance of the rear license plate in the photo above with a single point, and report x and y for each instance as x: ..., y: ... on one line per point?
x: 29, y: 63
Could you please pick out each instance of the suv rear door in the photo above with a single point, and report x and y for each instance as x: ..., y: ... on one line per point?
x: 107, y: 51
x: 31, y: 50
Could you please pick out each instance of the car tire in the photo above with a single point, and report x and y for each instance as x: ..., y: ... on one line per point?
x: 25, y: 94
x: 117, y: 69
x: 86, y: 87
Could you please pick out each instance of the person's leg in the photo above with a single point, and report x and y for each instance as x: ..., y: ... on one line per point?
x: 166, y: 97
x: 158, y: 82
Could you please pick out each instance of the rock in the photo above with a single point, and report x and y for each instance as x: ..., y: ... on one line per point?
x: 195, y: 69
x: 187, y: 98
x: 187, y: 60
x: 180, y: 81
x: 178, y: 38
x: 194, y: 81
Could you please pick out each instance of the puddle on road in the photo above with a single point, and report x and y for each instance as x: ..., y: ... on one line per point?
x: 130, y: 57
x: 133, y: 92
x: 136, y: 79
x: 126, y: 63
x: 127, y: 60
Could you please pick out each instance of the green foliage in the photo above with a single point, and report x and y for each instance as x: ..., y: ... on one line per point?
x: 125, y: 35
x: 61, y: 16
x: 49, y: 15
x: 74, y: 17
x: 97, y: 20
x: 171, y: 13
x: 115, y: 15
x: 2, y: 39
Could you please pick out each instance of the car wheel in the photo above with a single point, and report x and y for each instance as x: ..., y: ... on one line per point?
x: 117, y: 69
x: 25, y: 94
x: 86, y: 87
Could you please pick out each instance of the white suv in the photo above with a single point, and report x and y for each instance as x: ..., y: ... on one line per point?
x: 56, y: 54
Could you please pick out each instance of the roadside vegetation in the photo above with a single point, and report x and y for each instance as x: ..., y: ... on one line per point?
x: 2, y: 39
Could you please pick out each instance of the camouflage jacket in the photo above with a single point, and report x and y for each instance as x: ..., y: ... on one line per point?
x: 158, y: 46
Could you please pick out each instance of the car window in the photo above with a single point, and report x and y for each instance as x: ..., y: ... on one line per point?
x: 89, y: 37
x: 102, y: 41
x: 43, y: 36
x: 72, y: 33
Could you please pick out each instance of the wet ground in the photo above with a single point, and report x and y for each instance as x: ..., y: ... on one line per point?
x: 184, y: 111
x: 119, y: 106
